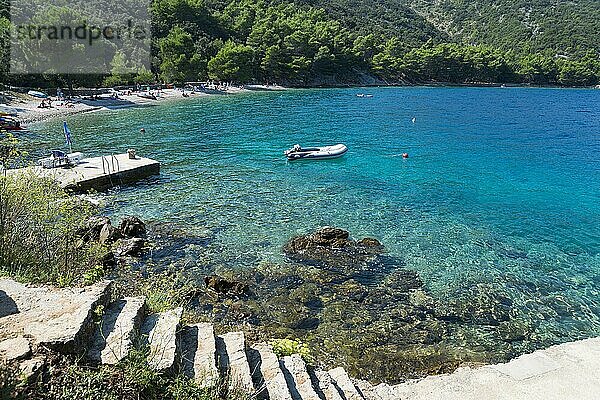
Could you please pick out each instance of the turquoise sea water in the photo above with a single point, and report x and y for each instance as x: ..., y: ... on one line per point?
x: 498, y: 202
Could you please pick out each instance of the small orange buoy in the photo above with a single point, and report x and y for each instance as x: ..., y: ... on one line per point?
x: 404, y: 155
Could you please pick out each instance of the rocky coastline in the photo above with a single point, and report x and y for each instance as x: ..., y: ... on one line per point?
x: 350, y: 301
x: 379, y: 331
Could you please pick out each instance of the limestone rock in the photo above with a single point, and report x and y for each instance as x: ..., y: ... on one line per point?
x: 326, y: 237
x: 14, y: 349
x: 370, y: 243
x: 133, y: 227
x: 159, y: 331
x: 331, y: 237
x: 108, y: 259
x: 332, y: 246
x: 298, y: 379
x: 93, y: 227
x: 109, y: 234
x: 130, y: 247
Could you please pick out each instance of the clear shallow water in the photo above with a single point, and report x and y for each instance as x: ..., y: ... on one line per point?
x: 500, y: 198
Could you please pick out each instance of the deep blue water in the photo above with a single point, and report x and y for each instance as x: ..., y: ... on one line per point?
x: 502, y: 186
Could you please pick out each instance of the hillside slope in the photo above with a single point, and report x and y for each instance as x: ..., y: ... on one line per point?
x: 385, y: 17
x: 563, y: 27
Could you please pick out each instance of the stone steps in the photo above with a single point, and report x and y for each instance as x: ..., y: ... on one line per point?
x: 198, y: 354
x: 233, y: 362
x: 118, y: 330
x: 371, y: 392
x: 343, y: 383
x: 159, y: 332
x: 15, y: 349
x: 64, y: 319
x: 298, y: 379
x: 326, y: 386
x: 267, y: 374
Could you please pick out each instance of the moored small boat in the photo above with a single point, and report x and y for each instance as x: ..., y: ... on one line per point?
x: 315, y: 153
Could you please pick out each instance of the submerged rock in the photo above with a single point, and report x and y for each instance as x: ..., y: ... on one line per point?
x: 481, y: 304
x: 332, y: 246
x: 223, y: 286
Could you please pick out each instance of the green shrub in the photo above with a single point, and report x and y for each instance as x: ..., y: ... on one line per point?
x: 39, y: 232
x: 144, y: 77
x: 167, y: 290
x: 93, y: 275
x: 131, y: 379
x: 287, y: 347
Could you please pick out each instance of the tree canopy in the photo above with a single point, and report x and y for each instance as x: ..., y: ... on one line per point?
x: 316, y: 42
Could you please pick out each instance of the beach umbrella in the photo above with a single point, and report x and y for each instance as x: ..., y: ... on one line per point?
x: 67, y: 133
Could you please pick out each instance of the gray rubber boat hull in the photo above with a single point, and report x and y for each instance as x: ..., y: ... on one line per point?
x: 317, y: 153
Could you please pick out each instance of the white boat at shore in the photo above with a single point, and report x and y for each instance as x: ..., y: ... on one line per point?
x: 39, y: 95
x: 315, y: 153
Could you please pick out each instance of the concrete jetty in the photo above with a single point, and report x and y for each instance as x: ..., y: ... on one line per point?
x: 98, y: 173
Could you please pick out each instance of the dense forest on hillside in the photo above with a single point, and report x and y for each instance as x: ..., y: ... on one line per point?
x: 563, y: 27
x: 333, y: 42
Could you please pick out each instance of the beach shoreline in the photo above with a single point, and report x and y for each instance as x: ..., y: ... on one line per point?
x: 28, y: 110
